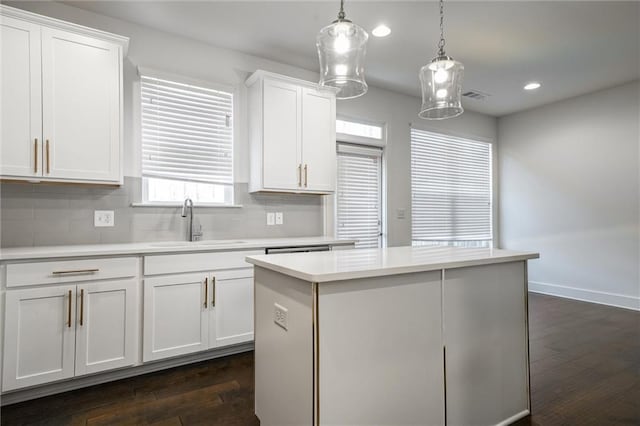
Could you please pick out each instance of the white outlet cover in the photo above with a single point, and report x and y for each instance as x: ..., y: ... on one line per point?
x: 279, y: 218
x: 400, y: 213
x: 271, y: 219
x: 280, y: 315
x: 103, y: 218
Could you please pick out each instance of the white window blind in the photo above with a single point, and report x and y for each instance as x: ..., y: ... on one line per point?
x: 359, y: 195
x: 187, y: 141
x: 451, y: 190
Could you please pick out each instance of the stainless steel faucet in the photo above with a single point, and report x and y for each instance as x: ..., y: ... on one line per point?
x: 191, y: 235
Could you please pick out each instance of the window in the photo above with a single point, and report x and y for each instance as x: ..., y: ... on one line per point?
x: 187, y: 143
x: 359, y: 200
x: 363, y: 130
x: 451, y: 190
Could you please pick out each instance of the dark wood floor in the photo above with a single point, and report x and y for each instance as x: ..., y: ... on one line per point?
x: 585, y: 368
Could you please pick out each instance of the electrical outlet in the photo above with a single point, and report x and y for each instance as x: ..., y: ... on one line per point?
x: 103, y: 218
x: 271, y: 219
x: 279, y: 218
x: 280, y: 314
x: 400, y: 213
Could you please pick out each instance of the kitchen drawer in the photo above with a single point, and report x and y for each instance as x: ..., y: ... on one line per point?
x: 194, y: 262
x: 63, y: 271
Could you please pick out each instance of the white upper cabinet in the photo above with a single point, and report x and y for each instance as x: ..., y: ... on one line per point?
x: 291, y: 135
x: 20, y: 98
x: 62, y: 95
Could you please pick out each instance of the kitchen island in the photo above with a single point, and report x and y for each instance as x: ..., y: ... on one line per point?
x: 403, y: 335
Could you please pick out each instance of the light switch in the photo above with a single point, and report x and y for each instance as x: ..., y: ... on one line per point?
x: 279, y: 218
x: 103, y: 218
x: 271, y: 219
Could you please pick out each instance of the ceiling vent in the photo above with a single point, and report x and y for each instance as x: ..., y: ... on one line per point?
x: 476, y: 94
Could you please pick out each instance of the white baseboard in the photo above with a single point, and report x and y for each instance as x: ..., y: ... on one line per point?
x: 81, y: 382
x: 601, y: 297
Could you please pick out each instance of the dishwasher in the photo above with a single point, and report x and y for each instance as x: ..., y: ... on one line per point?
x: 305, y: 249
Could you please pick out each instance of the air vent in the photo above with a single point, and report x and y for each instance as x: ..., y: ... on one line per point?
x: 476, y: 94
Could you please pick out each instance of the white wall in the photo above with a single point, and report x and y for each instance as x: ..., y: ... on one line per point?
x: 570, y: 189
x: 181, y: 56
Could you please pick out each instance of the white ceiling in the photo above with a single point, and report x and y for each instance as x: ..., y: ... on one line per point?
x: 570, y: 47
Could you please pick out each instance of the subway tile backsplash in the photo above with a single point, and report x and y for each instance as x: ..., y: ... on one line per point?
x: 39, y: 214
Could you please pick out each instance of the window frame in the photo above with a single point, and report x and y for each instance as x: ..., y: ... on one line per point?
x: 493, y: 169
x: 182, y: 79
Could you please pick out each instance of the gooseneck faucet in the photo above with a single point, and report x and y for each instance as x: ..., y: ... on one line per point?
x: 191, y: 236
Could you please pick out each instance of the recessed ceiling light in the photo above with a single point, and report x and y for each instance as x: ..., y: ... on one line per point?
x: 381, y: 31
x: 532, y: 86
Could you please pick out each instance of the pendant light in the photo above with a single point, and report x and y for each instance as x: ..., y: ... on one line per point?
x: 441, y: 82
x: 342, y: 47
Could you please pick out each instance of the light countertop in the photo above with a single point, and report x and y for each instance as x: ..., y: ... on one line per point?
x: 158, y: 247
x: 353, y: 264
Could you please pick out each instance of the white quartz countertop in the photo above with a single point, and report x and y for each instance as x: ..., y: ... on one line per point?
x: 353, y: 264
x: 164, y: 247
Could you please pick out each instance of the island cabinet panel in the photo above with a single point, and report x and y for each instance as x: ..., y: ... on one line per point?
x: 485, y: 323
x: 283, y: 357
x: 380, y: 351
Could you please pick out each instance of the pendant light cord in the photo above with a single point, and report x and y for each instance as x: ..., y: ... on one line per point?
x: 341, y: 14
x: 441, y: 43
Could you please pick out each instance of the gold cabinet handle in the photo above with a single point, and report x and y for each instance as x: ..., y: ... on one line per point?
x: 47, y: 152
x: 81, y: 306
x: 35, y: 156
x: 213, y: 292
x: 299, y: 174
x: 206, y: 290
x: 76, y: 271
x: 69, y: 311
x: 305, y: 175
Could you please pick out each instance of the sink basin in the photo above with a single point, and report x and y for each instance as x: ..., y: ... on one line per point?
x: 177, y: 244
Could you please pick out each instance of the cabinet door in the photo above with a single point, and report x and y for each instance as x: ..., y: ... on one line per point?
x: 81, y: 107
x: 318, y: 140
x: 20, y: 102
x: 231, y: 319
x: 485, y: 328
x: 106, y: 325
x: 39, y: 336
x: 175, y: 315
x: 281, y: 135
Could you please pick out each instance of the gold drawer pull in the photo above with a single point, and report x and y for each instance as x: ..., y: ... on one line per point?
x: 81, y: 306
x: 213, y: 293
x: 76, y: 271
x: 47, y: 149
x: 69, y: 311
x: 35, y: 156
x: 206, y: 291
x: 299, y: 174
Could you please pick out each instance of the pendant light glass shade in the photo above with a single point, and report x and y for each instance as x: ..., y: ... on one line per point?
x: 342, y: 47
x: 441, y: 82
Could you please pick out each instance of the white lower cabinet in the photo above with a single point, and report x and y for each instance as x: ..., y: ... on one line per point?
x: 58, y: 332
x: 186, y: 313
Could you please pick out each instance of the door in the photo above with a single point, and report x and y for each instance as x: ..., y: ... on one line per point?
x: 281, y: 135
x: 106, y: 325
x: 39, y: 336
x: 81, y: 107
x: 231, y: 319
x: 318, y: 140
x: 20, y: 99
x: 175, y: 315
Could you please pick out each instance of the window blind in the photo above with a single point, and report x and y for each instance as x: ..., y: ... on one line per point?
x: 186, y: 132
x: 359, y: 195
x: 451, y: 190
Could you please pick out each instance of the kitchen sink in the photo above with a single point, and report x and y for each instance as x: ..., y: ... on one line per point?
x: 178, y: 244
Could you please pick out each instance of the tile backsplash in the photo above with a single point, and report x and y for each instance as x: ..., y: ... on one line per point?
x: 39, y: 214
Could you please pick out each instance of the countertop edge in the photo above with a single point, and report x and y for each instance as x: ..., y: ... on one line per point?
x: 141, y: 249
x: 379, y: 272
